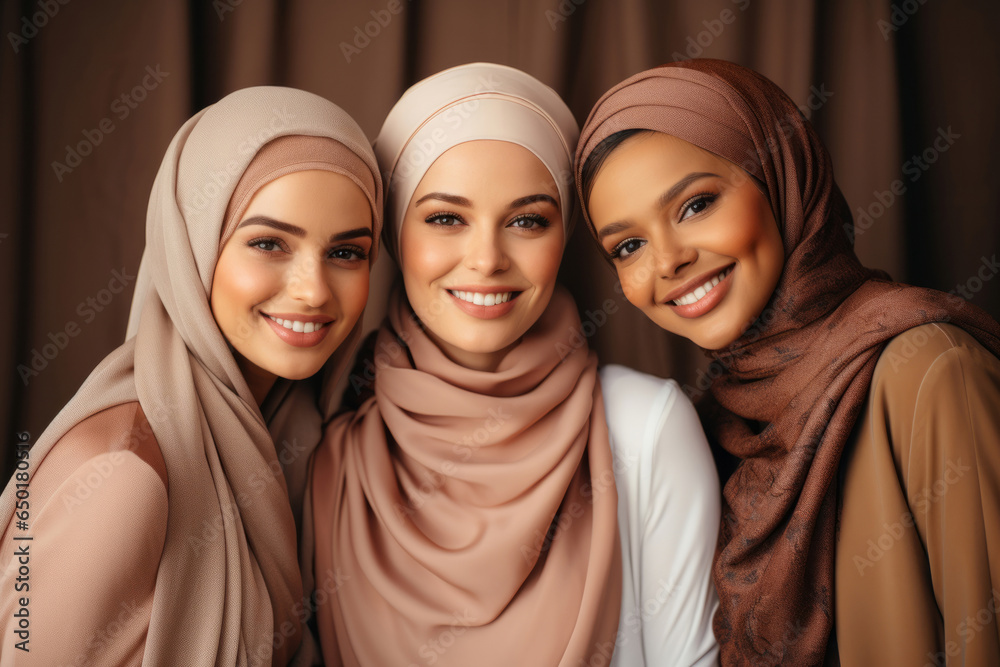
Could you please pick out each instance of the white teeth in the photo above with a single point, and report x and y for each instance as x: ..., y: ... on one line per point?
x: 483, y: 299
x: 699, y: 292
x: 300, y: 327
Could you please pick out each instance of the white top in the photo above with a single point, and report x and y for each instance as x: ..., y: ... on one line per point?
x: 669, y: 507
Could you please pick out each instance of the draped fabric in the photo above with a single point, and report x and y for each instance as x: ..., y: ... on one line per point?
x: 470, y: 515
x: 790, y: 389
x: 225, y: 600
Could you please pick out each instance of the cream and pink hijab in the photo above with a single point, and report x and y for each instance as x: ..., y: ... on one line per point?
x: 793, y: 385
x: 233, y: 597
x: 466, y: 517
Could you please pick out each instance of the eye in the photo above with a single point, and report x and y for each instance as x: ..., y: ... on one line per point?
x: 697, y: 204
x: 626, y: 249
x: 529, y: 221
x: 266, y: 245
x: 348, y: 254
x: 444, y: 220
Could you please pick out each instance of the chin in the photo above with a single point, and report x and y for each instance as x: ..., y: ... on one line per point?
x: 297, y: 372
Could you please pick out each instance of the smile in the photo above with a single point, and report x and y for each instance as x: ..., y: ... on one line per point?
x: 298, y: 326
x: 483, y: 298
x: 310, y: 331
x: 701, y: 291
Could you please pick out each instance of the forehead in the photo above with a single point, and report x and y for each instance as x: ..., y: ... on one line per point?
x: 500, y: 166
x: 663, y: 150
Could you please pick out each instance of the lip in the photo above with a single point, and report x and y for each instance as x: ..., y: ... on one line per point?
x: 485, y: 312
x: 299, y: 338
x: 707, y: 302
x: 322, y: 319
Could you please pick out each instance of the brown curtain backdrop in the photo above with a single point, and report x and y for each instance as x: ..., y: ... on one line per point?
x: 904, y: 94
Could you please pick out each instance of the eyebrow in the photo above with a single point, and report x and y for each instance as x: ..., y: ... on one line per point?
x: 664, y: 199
x: 458, y: 200
x: 679, y: 186
x: 445, y: 197
x: 360, y: 232
x: 299, y: 232
x: 275, y: 224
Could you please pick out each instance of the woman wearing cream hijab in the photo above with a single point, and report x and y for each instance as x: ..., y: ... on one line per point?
x: 476, y: 510
x: 160, y: 513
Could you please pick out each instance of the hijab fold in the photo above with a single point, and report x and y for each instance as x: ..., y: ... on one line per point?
x: 793, y: 385
x: 226, y: 596
x: 469, y: 509
x: 470, y: 516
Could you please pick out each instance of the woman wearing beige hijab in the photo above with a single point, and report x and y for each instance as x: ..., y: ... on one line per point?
x: 491, y: 505
x: 158, y: 526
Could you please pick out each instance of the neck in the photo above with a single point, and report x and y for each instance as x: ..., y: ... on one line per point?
x: 259, y: 380
x: 478, y: 361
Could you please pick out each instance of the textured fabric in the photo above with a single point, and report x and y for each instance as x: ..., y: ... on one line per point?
x: 237, y: 599
x: 469, y: 103
x: 470, y: 516
x: 918, y: 550
x: 668, y: 520
x: 791, y: 388
x: 288, y: 154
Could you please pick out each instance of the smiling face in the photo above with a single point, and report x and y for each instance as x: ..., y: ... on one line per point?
x: 694, y: 241
x: 292, y: 280
x: 480, y: 247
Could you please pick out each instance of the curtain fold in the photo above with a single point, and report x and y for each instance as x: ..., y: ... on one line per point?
x: 93, y: 92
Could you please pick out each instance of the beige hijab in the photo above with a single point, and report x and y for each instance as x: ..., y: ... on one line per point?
x: 235, y: 599
x: 465, y: 517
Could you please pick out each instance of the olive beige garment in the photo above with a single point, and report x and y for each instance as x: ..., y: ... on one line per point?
x: 918, y: 555
x: 216, y: 549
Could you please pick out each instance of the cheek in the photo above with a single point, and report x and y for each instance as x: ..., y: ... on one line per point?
x: 425, y: 259
x: 539, y: 259
x: 636, y: 282
x: 352, y: 290
x: 238, y: 285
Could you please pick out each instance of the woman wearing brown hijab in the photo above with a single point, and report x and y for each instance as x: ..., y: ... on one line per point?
x: 158, y: 527
x: 863, y: 517
x: 492, y: 504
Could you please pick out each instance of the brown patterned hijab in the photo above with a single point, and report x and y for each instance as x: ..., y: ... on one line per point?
x: 793, y: 385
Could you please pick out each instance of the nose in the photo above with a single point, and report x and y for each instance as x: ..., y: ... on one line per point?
x: 485, y: 252
x: 308, y: 282
x: 673, y: 256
